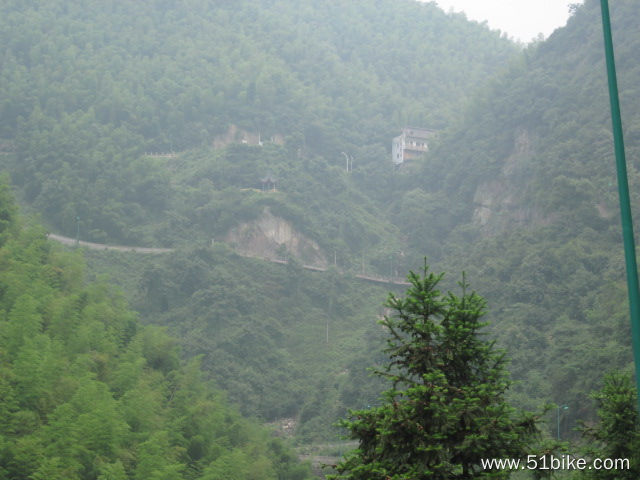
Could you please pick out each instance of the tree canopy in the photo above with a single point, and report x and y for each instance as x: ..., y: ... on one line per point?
x: 446, y: 409
x: 616, y: 435
x: 87, y: 392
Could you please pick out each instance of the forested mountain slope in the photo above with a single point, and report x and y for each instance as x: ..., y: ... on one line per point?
x: 87, y: 392
x: 523, y: 192
x: 519, y: 190
x: 232, y: 93
x: 284, y: 342
x: 88, y: 89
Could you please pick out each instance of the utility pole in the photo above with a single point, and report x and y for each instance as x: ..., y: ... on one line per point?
x: 77, y: 231
x: 623, y: 192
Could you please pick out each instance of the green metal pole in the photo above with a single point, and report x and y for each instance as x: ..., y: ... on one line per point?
x: 623, y: 190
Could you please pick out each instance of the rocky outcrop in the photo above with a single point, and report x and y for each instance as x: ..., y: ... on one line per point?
x: 499, y: 203
x: 275, y: 238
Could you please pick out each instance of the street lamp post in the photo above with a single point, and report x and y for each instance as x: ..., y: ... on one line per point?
x: 560, y: 407
x: 346, y: 157
x: 349, y: 160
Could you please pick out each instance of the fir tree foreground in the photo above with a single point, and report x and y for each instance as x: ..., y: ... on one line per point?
x: 446, y: 409
x: 617, y: 434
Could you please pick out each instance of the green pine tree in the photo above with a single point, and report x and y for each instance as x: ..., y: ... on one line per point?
x: 446, y: 410
x: 617, y: 435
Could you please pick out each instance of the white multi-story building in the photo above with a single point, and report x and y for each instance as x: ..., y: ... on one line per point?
x: 411, y: 143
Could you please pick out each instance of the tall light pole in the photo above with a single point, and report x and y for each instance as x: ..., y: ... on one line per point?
x: 349, y: 161
x: 77, y: 231
x: 561, y: 407
x: 623, y: 192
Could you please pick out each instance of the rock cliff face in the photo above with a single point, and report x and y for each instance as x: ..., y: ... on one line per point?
x: 273, y: 237
x: 499, y: 203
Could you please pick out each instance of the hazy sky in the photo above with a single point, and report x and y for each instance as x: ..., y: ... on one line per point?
x: 520, y: 19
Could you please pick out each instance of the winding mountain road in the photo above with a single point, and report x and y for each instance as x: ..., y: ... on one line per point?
x: 150, y: 250
x: 101, y: 246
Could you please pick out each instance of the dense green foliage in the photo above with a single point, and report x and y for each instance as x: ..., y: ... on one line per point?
x: 282, y: 341
x: 221, y: 189
x: 88, y: 393
x: 87, y: 89
x: 617, y: 434
x: 446, y: 409
x: 519, y: 190
x: 524, y: 191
